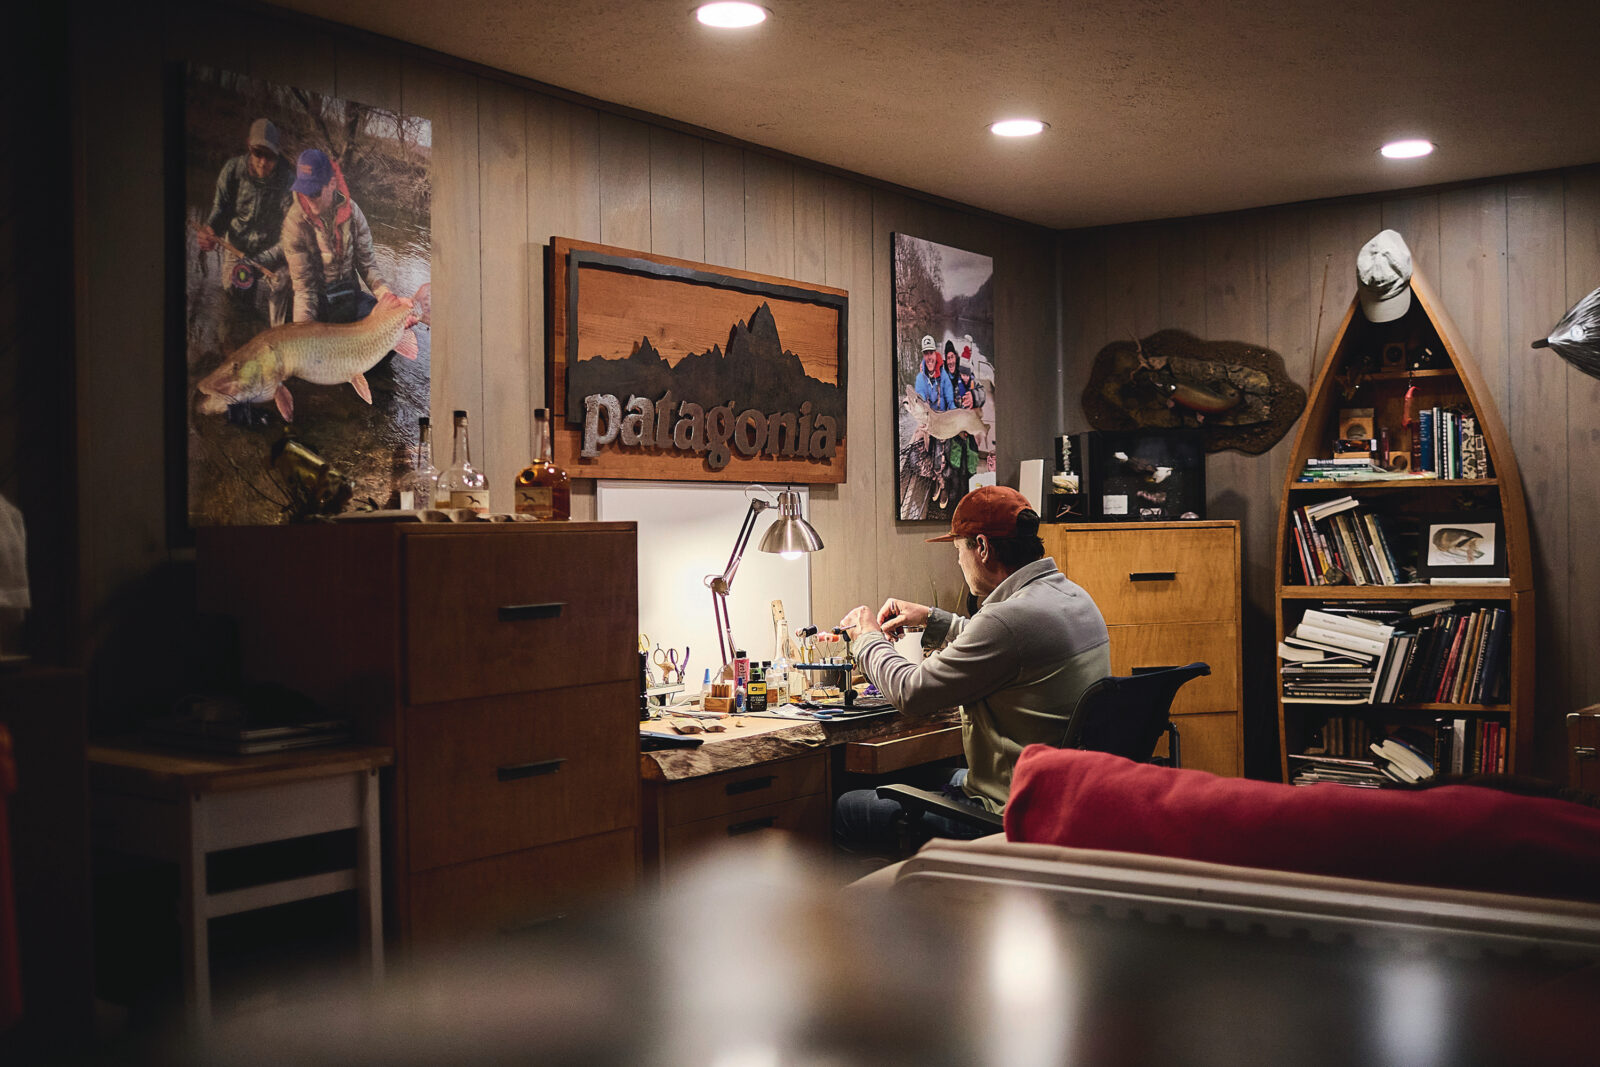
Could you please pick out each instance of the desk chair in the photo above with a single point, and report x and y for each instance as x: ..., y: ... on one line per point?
x: 1121, y: 714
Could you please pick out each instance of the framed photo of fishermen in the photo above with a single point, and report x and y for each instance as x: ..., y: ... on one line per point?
x: 305, y: 237
x: 944, y: 384
x: 665, y: 369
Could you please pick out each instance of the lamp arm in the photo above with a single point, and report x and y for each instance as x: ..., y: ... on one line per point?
x: 720, y: 584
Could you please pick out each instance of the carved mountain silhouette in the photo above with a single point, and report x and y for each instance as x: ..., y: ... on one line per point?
x: 754, y: 372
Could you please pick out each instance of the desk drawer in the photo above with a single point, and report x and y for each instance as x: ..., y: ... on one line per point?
x: 1175, y: 644
x: 497, y: 775
x: 1208, y: 743
x: 507, y: 894
x: 806, y: 817
x: 919, y: 745
x: 518, y: 611
x: 1157, y: 575
x: 739, y: 791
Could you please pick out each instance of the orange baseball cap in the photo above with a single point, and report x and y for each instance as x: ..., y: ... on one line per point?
x: 991, y: 510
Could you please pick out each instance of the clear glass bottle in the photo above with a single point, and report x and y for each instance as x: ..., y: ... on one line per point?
x: 543, y: 489
x: 778, y: 682
x: 419, y: 485
x: 464, y: 485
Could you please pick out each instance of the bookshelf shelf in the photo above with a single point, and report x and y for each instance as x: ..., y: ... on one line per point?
x: 1495, y: 622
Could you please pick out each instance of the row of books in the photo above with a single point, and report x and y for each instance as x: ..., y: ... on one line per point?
x: 1450, y: 445
x: 1345, y: 754
x: 1470, y: 746
x: 1339, y: 537
x: 1437, y: 653
x: 1356, y: 470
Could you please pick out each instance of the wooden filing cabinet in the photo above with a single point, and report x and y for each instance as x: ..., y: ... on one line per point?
x: 499, y: 661
x: 1170, y: 593
x: 687, y: 816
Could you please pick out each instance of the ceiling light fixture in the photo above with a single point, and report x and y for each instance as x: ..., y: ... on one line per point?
x: 1018, y: 127
x: 1406, y: 149
x: 730, y: 14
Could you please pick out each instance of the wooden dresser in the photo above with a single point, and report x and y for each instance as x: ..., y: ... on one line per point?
x: 499, y: 660
x: 1170, y: 593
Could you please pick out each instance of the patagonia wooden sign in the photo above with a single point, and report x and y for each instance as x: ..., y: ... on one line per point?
x: 663, y: 369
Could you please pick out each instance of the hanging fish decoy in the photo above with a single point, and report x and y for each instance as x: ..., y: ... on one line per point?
x: 1576, y: 337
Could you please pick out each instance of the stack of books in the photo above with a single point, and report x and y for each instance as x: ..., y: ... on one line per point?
x: 1340, y: 536
x: 241, y: 737
x: 1458, y: 655
x: 1356, y: 470
x: 1401, y: 761
x: 1308, y: 769
x: 1333, y: 658
x: 1450, y: 445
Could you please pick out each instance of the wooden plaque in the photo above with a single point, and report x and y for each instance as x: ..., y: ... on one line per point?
x: 628, y: 324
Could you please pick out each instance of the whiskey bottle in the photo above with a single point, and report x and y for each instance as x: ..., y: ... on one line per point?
x: 462, y: 484
x: 543, y: 489
x: 418, y: 486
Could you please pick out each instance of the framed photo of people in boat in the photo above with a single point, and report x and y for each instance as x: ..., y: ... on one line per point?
x: 306, y: 241
x: 1145, y: 475
x: 944, y: 375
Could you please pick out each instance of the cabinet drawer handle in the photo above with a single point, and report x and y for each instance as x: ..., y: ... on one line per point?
x: 529, y: 770
x: 1585, y: 752
x: 521, y: 612
x: 766, y: 822
x: 750, y: 785
x: 1152, y: 576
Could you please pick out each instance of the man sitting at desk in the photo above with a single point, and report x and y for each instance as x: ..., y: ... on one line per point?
x: 1016, y: 668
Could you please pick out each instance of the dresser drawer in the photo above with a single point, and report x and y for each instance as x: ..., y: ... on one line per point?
x: 518, y: 611
x: 1161, y: 575
x: 1208, y: 743
x: 716, y: 795
x: 498, y: 775
x: 1173, y: 644
x: 506, y: 894
x: 806, y: 817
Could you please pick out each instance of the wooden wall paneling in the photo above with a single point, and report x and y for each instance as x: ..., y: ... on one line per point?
x: 624, y: 182
x: 1582, y: 212
x: 208, y: 36
x: 509, y: 351
x: 1337, y: 232
x: 677, y: 196
x: 1471, y: 277
x: 563, y: 201
x: 121, y: 305
x: 1087, y: 312
x: 291, y: 54
x: 769, y: 215
x: 450, y: 101
x: 811, y: 226
x: 1416, y: 218
x: 723, y: 167
x: 368, y: 75
x: 1536, y: 417
x: 848, y: 515
x: 1132, y: 285
x: 1026, y: 335
x: 1183, y: 276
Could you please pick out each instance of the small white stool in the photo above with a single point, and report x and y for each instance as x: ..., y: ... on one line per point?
x: 177, y: 806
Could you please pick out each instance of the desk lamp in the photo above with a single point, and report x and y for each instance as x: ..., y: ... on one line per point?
x: 790, y: 536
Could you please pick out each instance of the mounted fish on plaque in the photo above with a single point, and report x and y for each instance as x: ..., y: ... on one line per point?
x: 1237, y: 395
x: 670, y: 370
x: 306, y: 251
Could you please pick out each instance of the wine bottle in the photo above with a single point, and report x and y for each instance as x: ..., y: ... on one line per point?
x: 543, y: 489
x: 419, y: 485
x: 464, y: 485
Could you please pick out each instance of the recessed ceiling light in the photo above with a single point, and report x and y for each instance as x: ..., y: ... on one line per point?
x: 730, y: 14
x: 1406, y: 149
x: 1018, y: 127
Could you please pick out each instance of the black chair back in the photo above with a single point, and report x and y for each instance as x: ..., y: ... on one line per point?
x: 1127, y: 714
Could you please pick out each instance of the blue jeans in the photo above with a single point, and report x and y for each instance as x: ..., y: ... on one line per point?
x: 864, y: 822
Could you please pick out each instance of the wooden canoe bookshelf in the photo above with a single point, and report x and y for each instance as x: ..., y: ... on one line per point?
x: 1355, y: 376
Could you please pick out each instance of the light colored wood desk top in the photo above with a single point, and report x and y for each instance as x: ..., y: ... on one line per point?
x: 172, y: 774
x: 760, y: 740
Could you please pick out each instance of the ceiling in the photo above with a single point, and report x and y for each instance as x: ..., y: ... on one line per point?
x: 1157, y: 108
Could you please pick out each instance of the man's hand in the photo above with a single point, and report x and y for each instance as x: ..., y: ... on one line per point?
x: 966, y: 400
x: 896, y: 615
x: 858, y: 622
x: 206, y: 238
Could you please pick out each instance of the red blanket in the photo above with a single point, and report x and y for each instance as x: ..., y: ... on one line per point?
x: 1463, y: 836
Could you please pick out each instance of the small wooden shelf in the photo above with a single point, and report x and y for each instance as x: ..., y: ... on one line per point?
x: 1401, y: 483
x: 1396, y: 592
x: 1406, y: 375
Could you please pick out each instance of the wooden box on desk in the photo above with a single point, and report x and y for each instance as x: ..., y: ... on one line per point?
x: 1170, y: 593
x: 499, y: 661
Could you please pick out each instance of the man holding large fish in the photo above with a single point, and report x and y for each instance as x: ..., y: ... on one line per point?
x: 328, y: 244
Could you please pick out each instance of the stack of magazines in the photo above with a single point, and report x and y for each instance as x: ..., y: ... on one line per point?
x: 249, y: 723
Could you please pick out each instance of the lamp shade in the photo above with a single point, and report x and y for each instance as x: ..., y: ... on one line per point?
x: 791, y: 533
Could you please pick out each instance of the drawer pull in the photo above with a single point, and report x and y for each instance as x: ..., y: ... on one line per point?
x: 529, y: 770
x: 766, y: 822
x: 523, y: 612
x: 1152, y: 576
x: 750, y: 785
x: 1584, y: 752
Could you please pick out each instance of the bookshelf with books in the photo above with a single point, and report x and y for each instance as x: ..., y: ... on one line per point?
x: 1404, y: 591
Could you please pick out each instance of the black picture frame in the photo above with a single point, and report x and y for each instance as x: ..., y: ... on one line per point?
x: 1461, y: 544
x: 1146, y: 475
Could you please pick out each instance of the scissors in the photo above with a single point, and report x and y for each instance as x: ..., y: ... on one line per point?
x: 667, y: 663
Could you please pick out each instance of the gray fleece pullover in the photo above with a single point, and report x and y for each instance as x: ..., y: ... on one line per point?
x: 1016, y: 668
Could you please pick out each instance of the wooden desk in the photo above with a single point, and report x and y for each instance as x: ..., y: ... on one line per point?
x: 762, y: 774
x: 180, y: 806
